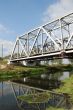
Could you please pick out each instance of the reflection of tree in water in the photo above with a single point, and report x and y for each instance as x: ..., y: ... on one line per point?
x: 55, y: 75
x: 43, y: 83
x: 47, y: 81
x: 61, y: 61
x: 55, y: 61
x: 50, y: 80
x: 71, y: 61
x: 58, y: 61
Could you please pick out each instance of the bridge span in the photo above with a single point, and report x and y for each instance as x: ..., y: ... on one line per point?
x: 51, y: 40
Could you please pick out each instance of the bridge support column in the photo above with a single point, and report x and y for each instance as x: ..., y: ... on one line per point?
x: 31, y: 63
x: 66, y: 61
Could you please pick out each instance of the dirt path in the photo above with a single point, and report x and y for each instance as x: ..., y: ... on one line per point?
x: 2, y: 66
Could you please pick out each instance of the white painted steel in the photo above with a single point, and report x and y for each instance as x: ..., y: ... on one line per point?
x: 49, y: 44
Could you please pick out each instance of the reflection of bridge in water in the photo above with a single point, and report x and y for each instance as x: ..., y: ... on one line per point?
x: 55, y: 99
x: 52, y: 40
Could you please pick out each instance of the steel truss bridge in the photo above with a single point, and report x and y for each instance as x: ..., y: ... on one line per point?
x: 52, y: 40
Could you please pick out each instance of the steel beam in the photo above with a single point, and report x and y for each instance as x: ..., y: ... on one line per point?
x: 52, y: 40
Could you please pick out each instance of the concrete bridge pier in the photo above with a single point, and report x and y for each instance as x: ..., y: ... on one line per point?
x: 25, y: 63
x: 31, y: 63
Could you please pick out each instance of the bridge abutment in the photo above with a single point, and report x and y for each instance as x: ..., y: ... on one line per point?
x: 14, y: 63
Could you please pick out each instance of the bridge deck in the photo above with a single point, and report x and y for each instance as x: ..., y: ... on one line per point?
x: 58, y: 54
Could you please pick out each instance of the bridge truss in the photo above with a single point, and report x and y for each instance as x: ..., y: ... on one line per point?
x: 48, y: 40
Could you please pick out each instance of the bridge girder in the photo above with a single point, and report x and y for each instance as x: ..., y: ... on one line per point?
x: 49, y: 38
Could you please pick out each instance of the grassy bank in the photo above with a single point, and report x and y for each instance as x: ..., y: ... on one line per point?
x: 12, y: 71
x: 67, y: 88
x: 30, y: 71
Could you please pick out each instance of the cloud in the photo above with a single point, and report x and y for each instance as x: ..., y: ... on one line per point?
x: 58, y: 9
x: 5, y: 30
x: 7, y: 47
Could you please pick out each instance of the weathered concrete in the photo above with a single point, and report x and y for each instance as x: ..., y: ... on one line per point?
x: 31, y: 63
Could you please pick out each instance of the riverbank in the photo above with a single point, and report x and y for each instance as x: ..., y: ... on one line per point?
x: 17, y: 71
x: 10, y: 72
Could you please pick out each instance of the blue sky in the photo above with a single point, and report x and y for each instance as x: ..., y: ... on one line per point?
x: 20, y: 16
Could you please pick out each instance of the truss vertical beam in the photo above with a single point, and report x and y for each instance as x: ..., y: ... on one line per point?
x: 14, y: 48
x: 51, y: 38
x: 68, y: 30
x: 36, y: 39
x: 68, y: 41
x: 42, y: 42
x: 23, y: 48
x: 62, y: 46
x: 18, y: 49
x: 28, y: 44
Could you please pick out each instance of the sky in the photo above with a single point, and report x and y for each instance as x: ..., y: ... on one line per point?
x: 19, y: 16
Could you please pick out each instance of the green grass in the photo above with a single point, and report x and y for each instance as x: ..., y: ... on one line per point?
x: 12, y: 71
x: 53, y: 108
x: 3, y: 61
x: 35, y: 98
x: 67, y: 88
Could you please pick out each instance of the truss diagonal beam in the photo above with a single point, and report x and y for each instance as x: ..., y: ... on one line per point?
x: 51, y: 38
x: 23, y: 48
x: 35, y: 41
x: 14, y: 48
x: 68, y: 41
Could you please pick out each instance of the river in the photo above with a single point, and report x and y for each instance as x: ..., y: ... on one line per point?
x: 45, y: 81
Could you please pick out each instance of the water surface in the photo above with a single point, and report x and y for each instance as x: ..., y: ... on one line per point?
x: 46, y: 81
x: 7, y: 99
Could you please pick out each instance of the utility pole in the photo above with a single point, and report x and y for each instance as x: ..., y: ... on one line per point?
x: 2, y: 50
